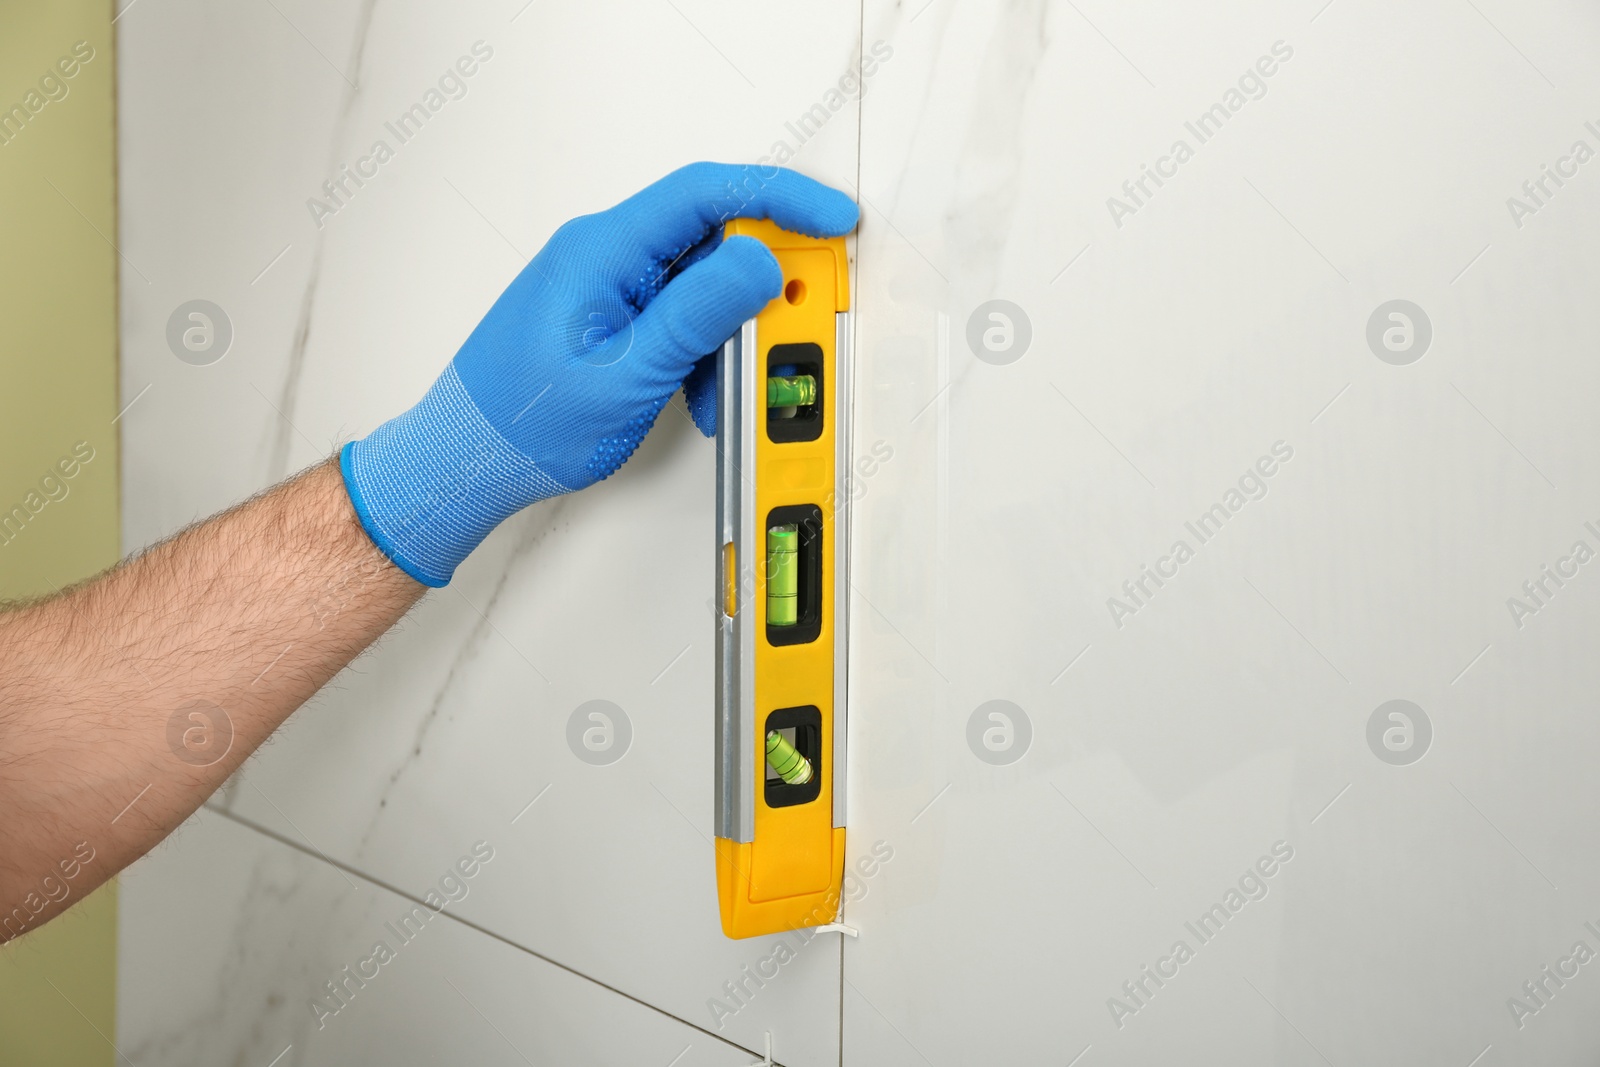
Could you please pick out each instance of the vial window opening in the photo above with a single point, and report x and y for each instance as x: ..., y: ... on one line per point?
x: 800, y: 731
x: 795, y: 383
x: 794, y: 574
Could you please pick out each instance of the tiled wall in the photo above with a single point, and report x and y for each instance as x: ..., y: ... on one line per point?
x: 232, y: 119
x: 1074, y: 737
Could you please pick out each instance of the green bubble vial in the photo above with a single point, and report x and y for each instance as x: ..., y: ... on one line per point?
x: 786, y: 760
x: 783, y: 575
x: 786, y: 394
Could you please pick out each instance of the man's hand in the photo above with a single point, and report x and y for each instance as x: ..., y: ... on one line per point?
x: 127, y: 700
x: 566, y: 374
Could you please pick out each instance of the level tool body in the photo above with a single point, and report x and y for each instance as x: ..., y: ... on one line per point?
x: 783, y: 460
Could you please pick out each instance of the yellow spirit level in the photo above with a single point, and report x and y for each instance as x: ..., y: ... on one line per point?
x: 783, y: 461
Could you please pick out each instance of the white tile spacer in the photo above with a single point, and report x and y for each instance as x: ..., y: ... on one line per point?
x: 767, y: 1062
x: 839, y: 928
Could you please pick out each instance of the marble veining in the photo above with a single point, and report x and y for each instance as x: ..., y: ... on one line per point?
x: 533, y: 528
x: 278, y: 462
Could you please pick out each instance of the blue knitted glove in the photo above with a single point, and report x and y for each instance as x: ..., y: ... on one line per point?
x: 564, y: 376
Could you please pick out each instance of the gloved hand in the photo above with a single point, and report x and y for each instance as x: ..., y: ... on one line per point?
x: 564, y: 376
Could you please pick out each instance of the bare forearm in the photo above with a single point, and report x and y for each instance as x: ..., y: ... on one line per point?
x: 157, y: 679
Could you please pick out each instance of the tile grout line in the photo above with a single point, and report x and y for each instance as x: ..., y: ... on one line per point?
x: 855, y: 280
x: 250, y: 824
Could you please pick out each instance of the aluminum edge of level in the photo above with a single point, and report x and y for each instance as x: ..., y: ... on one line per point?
x: 842, y: 497
x: 735, y: 654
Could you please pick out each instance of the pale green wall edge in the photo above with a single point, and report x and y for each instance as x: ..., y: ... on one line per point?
x: 58, y: 386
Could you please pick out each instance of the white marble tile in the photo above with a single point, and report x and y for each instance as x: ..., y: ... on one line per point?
x: 230, y: 119
x: 1009, y: 503
x: 246, y: 950
x: 1228, y: 711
